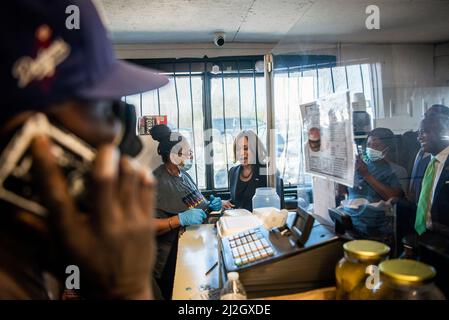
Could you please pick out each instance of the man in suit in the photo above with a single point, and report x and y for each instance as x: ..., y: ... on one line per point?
x: 406, y: 208
x: 432, y: 192
x: 432, y: 176
x: 434, y: 109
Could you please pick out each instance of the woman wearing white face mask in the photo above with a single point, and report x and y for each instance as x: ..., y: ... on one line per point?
x: 179, y: 202
x: 376, y: 179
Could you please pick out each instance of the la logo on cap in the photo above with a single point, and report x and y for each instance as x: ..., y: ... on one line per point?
x: 26, y: 69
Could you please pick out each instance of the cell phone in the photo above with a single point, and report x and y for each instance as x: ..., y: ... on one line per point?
x: 17, y: 182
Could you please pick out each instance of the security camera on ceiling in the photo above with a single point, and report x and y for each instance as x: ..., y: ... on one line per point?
x: 219, y: 39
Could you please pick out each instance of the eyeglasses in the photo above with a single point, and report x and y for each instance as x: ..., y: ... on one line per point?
x: 189, y: 154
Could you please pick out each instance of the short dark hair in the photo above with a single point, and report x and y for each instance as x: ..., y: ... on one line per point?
x: 437, y: 109
x: 442, y: 120
x: 385, y: 135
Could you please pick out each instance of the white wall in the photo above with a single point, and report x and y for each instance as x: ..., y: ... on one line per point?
x: 402, y: 65
x: 413, y: 77
x: 442, y: 64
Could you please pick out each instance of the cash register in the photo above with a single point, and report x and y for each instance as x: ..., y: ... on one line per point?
x: 299, y: 256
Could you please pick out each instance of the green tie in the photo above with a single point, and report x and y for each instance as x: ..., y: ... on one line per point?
x: 425, y: 197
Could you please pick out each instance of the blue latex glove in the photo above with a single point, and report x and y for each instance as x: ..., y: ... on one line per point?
x: 191, y: 216
x: 215, y: 203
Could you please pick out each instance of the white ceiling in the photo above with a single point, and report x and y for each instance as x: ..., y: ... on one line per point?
x: 195, y: 21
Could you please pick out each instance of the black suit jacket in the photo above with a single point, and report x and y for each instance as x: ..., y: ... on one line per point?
x: 440, y: 204
x: 245, y: 200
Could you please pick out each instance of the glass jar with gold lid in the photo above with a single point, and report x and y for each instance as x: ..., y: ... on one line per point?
x: 402, y: 279
x: 351, y: 270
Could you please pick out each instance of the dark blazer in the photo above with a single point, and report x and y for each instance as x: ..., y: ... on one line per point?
x: 440, y: 205
x: 257, y: 181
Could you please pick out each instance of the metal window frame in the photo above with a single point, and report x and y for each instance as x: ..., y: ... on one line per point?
x: 207, y: 124
x: 193, y: 123
x: 224, y: 122
x: 207, y: 76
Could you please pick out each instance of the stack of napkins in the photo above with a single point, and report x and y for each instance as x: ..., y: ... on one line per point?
x: 271, y: 217
x: 228, y: 226
x: 240, y: 220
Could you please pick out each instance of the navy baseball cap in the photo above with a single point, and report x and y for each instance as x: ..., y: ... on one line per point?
x: 46, y: 59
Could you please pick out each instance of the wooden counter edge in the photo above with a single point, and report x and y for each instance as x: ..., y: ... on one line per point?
x: 318, y: 294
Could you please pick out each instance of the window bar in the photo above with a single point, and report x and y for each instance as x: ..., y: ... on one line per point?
x: 332, y: 79
x: 301, y: 168
x: 375, y: 88
x: 158, y: 98
x: 347, y: 80
x: 141, y: 110
x: 317, y: 82
x: 240, y: 96
x: 288, y: 120
x: 158, y: 102
x: 176, y: 94
x: 378, y: 89
x: 193, y: 123
x: 361, y: 76
x: 255, y: 96
x: 224, y: 121
x: 207, y: 125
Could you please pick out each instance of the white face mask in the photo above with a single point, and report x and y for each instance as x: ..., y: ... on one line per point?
x: 374, y: 155
x: 186, y: 165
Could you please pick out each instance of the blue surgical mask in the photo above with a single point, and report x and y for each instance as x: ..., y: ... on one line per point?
x: 186, y: 165
x: 374, y: 155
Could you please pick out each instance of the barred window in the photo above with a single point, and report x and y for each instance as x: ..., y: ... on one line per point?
x: 211, y: 100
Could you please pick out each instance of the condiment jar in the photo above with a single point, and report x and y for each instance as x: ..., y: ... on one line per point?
x: 351, y: 270
x: 402, y: 279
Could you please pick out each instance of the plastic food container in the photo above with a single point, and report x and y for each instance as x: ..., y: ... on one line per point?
x: 266, y: 197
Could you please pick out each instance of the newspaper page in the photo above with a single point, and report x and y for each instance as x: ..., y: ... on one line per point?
x: 329, y: 138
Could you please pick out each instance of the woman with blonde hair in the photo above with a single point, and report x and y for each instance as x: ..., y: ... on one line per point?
x: 251, y: 171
